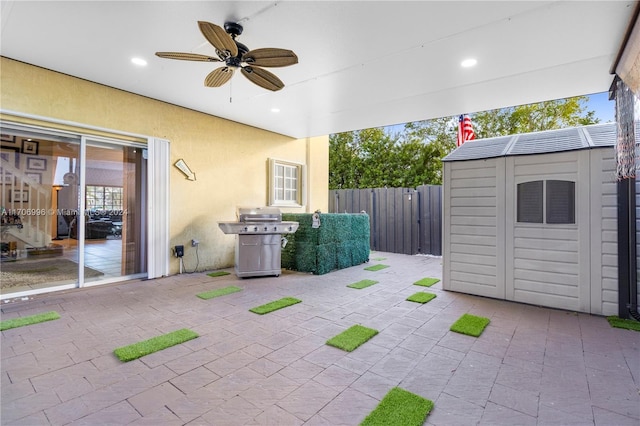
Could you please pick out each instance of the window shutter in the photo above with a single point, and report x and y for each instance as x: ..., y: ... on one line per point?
x: 561, y: 196
x: 530, y: 202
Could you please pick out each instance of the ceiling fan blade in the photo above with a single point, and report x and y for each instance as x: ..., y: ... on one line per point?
x: 218, y: 77
x: 218, y: 37
x: 187, y: 56
x: 263, y: 78
x: 270, y: 57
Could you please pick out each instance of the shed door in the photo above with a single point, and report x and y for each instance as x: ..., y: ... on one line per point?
x: 547, y: 224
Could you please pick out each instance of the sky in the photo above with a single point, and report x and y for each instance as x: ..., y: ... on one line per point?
x: 604, y: 108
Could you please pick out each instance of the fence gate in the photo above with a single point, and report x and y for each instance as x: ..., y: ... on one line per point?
x: 403, y: 220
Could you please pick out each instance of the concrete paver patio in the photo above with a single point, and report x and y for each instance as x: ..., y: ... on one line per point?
x: 532, y: 365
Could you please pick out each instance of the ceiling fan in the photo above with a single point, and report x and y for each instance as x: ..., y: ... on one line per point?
x: 236, y: 55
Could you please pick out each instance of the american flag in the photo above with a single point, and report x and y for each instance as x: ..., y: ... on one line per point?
x: 465, y: 130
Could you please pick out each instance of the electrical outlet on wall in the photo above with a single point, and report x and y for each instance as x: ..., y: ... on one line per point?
x: 194, y: 243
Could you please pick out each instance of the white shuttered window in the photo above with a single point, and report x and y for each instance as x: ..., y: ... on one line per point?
x: 286, y: 183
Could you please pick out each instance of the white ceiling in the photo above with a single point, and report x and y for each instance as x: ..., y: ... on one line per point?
x: 361, y: 64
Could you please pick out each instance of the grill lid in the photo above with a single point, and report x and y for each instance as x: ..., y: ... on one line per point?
x: 259, y: 214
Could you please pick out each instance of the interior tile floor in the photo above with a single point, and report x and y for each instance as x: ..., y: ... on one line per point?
x: 532, y: 365
x: 102, y: 255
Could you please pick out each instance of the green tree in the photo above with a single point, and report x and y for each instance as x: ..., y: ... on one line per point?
x: 435, y: 141
x: 372, y: 158
x: 536, y: 117
x: 344, y: 160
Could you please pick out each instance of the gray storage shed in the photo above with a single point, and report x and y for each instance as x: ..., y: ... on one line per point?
x: 532, y: 218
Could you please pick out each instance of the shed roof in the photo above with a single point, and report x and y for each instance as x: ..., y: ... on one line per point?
x: 571, y: 139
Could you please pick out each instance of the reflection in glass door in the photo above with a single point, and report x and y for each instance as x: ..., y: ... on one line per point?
x: 38, y: 193
x: 114, y: 221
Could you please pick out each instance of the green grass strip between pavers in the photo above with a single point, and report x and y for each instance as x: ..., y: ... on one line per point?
x: 32, y: 319
x: 218, y: 273
x: 352, y: 337
x: 470, y: 325
x: 376, y: 267
x: 219, y: 292
x: 275, y: 305
x: 421, y: 297
x: 628, y: 324
x: 155, y: 344
x: 427, y: 282
x: 399, y: 408
x: 362, y: 284
x: 378, y: 259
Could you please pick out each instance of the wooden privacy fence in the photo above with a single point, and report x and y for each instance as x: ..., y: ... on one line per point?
x: 403, y: 220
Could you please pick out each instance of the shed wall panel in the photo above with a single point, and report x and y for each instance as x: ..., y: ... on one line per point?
x: 547, y: 255
x: 474, y: 221
x: 486, y: 182
x: 468, y: 249
x: 473, y: 192
x: 482, y: 241
x: 472, y: 283
x: 471, y: 261
x: 547, y: 277
x: 525, y: 265
x: 537, y: 287
x: 543, y: 244
x: 604, y: 244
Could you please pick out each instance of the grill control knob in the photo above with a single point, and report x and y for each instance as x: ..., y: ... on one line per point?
x: 265, y: 228
x: 275, y: 228
x: 291, y: 228
x: 246, y: 228
x: 255, y: 228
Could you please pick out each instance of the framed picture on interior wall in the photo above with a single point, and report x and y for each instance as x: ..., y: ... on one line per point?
x: 35, y: 177
x: 18, y: 196
x: 36, y: 163
x: 8, y: 153
x: 7, y: 139
x: 30, y: 147
x: 6, y: 177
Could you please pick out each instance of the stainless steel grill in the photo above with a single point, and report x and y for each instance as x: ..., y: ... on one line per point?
x: 258, y: 240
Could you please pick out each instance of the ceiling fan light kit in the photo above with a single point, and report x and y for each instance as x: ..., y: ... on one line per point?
x: 236, y: 55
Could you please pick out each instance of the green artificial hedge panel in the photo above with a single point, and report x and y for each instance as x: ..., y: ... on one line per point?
x: 326, y: 260
x: 341, y: 241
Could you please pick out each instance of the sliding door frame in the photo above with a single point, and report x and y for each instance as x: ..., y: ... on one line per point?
x: 157, y: 178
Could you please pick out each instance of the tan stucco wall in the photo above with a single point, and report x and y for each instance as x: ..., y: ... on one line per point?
x: 229, y: 159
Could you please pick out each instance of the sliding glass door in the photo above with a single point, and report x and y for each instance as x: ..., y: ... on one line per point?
x: 73, y: 211
x: 114, y: 202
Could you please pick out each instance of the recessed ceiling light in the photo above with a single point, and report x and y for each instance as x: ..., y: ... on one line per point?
x: 467, y: 63
x: 139, y: 61
x: 275, y: 109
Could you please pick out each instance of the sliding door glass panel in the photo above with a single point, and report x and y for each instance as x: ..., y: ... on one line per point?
x: 114, y: 212
x: 39, y: 204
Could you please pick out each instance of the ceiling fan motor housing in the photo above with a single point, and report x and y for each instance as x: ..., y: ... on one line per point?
x: 235, y: 29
